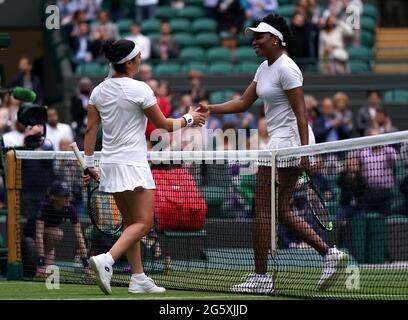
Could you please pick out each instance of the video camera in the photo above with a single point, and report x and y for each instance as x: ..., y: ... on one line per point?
x: 30, y: 115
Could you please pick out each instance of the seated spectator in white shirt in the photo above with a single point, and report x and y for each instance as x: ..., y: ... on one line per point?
x: 15, y: 138
x: 56, y: 130
x: 140, y: 39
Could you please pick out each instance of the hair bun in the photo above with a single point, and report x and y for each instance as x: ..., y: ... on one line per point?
x: 108, y: 48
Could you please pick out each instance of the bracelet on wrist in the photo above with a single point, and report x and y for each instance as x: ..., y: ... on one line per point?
x: 189, y: 119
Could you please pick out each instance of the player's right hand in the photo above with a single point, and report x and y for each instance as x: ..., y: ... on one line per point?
x: 89, y: 177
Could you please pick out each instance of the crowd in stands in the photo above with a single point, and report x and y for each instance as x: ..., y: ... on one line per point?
x: 319, y: 33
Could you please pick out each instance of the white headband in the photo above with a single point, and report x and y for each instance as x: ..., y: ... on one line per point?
x: 264, y: 27
x: 130, y: 56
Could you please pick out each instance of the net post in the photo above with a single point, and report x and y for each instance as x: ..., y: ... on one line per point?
x: 274, y: 202
x: 13, y: 187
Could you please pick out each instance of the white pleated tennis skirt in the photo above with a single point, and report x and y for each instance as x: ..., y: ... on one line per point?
x: 292, y: 141
x: 122, y: 177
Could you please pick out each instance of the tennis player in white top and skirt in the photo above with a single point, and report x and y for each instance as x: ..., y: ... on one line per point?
x: 123, y: 106
x: 279, y: 83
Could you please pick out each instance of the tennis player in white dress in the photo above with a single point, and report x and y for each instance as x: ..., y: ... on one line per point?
x: 279, y: 83
x: 123, y: 106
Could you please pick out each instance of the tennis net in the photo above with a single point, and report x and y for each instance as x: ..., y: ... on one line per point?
x: 205, y: 206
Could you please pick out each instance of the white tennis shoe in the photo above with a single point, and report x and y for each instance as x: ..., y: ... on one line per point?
x: 255, y: 283
x: 333, y: 262
x: 146, y: 285
x: 103, y: 271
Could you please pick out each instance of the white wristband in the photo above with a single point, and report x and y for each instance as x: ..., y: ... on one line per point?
x: 89, y: 161
x: 189, y: 119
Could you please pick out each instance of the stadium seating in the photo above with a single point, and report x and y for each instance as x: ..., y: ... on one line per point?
x: 124, y: 25
x: 150, y: 25
x: 197, y: 3
x: 207, y: 39
x: 184, y: 39
x: 216, y: 54
x: 368, y: 24
x: 360, y: 54
x: 245, y: 54
x: 367, y: 39
x: 247, y: 67
x: 370, y: 10
x: 243, y: 40
x: 221, y: 96
x: 396, y: 95
x: 153, y: 36
x: 167, y: 68
x: 191, y: 12
x: 91, y: 69
x: 192, y: 54
x: 166, y: 13
x: 199, y: 66
x: 286, y: 11
x: 358, y: 67
x: 180, y: 25
x: 221, y: 68
x: 204, y: 25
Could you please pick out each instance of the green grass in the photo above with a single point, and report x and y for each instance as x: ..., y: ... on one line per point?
x: 23, y: 290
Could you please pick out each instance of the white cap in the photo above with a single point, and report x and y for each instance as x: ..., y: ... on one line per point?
x: 264, y: 27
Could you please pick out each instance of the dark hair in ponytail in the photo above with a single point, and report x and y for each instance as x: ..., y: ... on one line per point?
x: 115, y: 51
x: 279, y: 23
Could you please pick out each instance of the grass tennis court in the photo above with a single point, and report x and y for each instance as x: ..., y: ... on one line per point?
x: 36, y: 290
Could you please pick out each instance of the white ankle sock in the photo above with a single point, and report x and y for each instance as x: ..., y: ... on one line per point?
x: 110, y: 259
x: 139, y: 276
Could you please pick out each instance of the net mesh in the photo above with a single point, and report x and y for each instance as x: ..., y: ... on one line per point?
x: 213, y: 208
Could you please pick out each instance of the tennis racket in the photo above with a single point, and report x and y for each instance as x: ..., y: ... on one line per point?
x: 101, y: 207
x: 315, y: 201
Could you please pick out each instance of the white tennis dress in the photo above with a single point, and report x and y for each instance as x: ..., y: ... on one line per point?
x: 120, y: 102
x: 271, y: 83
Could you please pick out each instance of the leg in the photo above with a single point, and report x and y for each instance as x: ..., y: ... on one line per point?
x: 261, y: 228
x: 295, y: 223
x: 133, y: 252
x: 138, y: 205
x: 53, y: 236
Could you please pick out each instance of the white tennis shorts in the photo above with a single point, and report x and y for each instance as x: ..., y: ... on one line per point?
x: 293, y: 140
x: 121, y: 177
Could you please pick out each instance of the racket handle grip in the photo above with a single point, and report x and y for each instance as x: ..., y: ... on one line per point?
x: 88, y: 172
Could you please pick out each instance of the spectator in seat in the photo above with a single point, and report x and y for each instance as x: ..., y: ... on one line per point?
x: 341, y: 101
x: 56, y: 130
x: 145, y: 72
x: 366, y: 114
x: 164, y: 105
x: 105, y: 28
x: 256, y: 10
x: 352, y: 188
x: 165, y: 47
x: 382, y: 122
x: 377, y: 167
x: 299, y: 44
x: 230, y: 16
x: 332, y: 50
x: 312, y: 109
x: 196, y: 90
x: 26, y: 79
x: 79, y: 105
x: 140, y: 39
x: 145, y: 9
x: 210, y: 8
x: 81, y: 46
x: 330, y: 126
